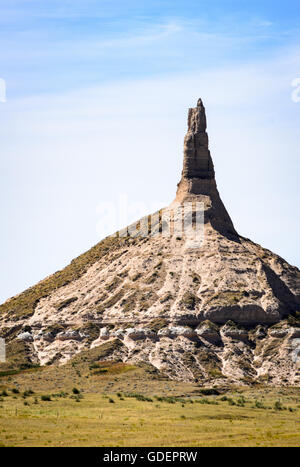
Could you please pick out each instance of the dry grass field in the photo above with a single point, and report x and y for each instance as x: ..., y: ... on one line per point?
x: 112, y: 404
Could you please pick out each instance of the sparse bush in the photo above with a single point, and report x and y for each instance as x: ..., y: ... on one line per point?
x: 100, y: 370
x: 137, y: 276
x: 195, y: 278
x: 94, y: 366
x: 209, y: 392
x: 189, y: 301
x: 240, y: 402
x: 259, y: 405
x: 139, y: 397
x: 28, y: 366
x: 76, y: 397
x: 46, y: 398
x: 65, y: 303
x: 278, y: 405
x: 231, y: 401
x: 169, y: 400
x: 168, y: 296
x: 204, y: 400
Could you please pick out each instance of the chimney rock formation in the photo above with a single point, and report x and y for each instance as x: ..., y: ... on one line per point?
x: 198, y: 174
x: 226, y: 311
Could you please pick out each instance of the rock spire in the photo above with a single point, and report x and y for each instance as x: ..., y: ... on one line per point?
x: 198, y: 174
x: 197, y: 159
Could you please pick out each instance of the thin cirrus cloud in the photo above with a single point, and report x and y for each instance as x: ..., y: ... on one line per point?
x: 51, y: 61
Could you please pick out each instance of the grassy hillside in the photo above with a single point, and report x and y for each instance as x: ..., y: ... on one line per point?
x: 23, y: 304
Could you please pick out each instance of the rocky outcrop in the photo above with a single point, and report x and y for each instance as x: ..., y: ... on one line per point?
x: 198, y: 176
x: 197, y: 162
x: 226, y: 310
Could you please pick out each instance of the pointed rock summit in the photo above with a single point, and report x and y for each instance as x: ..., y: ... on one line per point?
x: 225, y: 312
x: 197, y: 163
x: 198, y: 175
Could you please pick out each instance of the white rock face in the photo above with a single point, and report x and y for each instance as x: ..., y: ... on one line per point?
x: 25, y: 336
x: 104, y: 333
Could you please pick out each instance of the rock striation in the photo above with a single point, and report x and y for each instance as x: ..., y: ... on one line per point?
x: 227, y: 311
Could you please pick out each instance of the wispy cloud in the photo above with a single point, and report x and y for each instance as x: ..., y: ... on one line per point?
x: 40, y: 60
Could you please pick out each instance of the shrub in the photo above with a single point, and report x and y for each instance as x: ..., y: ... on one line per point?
x: 94, y: 366
x: 15, y: 391
x: 100, y: 370
x: 210, y: 392
x: 4, y: 393
x: 231, y: 401
x: 168, y: 296
x: 136, y: 277
x: 278, y: 405
x: 46, y: 398
x: 111, y: 401
x: 204, y: 400
x: 259, y: 405
x: 195, y: 278
x: 75, y: 391
x: 241, y: 402
x: 65, y: 303
x: 28, y: 366
x: 189, y: 301
x: 139, y: 397
x: 27, y: 393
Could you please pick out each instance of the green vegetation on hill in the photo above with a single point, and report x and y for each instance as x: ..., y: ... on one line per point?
x: 23, y: 305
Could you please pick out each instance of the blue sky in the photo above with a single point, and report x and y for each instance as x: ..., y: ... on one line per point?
x: 95, y: 112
